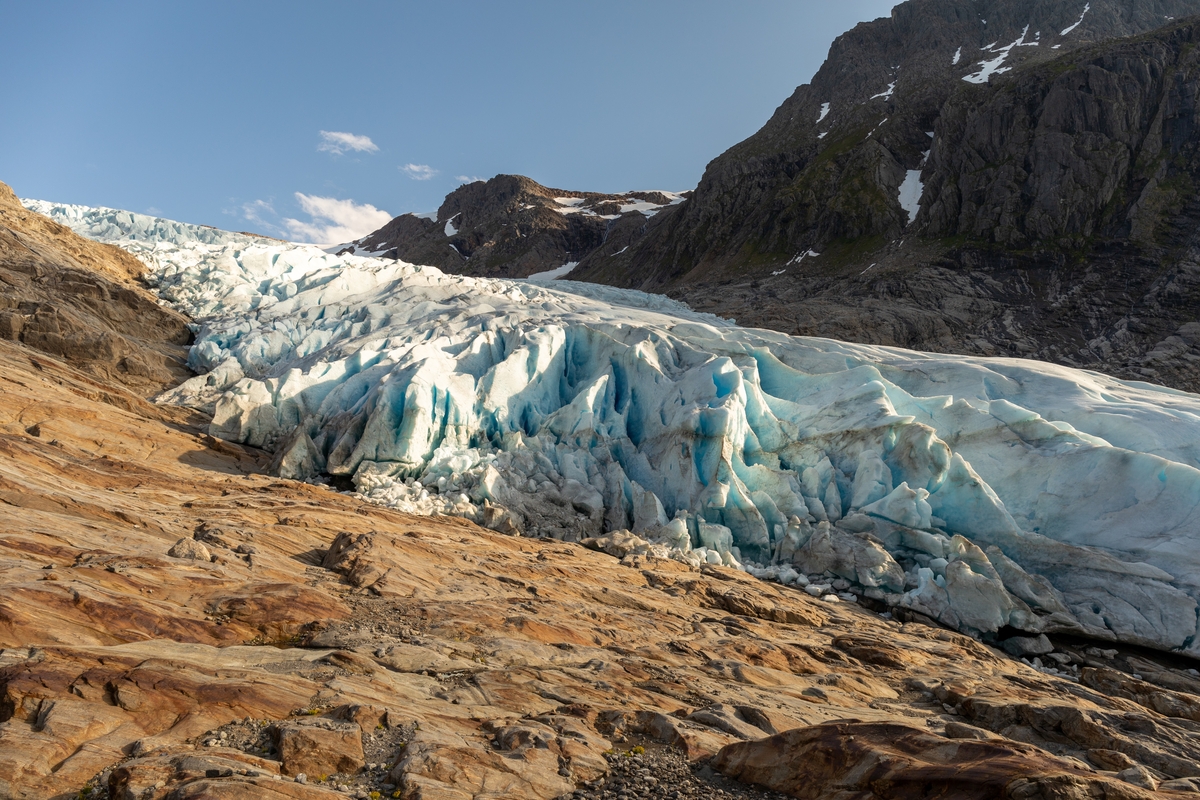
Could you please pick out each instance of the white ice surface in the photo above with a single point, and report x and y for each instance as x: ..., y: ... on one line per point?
x: 982, y: 492
x: 910, y: 193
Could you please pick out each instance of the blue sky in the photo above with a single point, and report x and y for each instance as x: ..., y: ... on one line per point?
x: 314, y: 120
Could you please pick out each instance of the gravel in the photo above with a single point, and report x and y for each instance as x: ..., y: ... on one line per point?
x: 662, y: 772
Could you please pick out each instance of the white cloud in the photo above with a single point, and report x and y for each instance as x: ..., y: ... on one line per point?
x: 466, y: 179
x: 334, y: 221
x: 337, y: 142
x: 254, y: 212
x: 419, y: 172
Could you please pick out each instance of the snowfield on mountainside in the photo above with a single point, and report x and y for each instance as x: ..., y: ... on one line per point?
x: 988, y: 494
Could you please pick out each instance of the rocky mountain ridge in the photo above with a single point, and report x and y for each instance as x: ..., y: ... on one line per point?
x: 512, y: 227
x: 1048, y: 173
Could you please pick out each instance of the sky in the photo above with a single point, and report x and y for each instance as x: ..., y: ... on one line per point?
x: 321, y: 121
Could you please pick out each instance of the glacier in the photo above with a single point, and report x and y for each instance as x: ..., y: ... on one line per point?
x: 992, y: 495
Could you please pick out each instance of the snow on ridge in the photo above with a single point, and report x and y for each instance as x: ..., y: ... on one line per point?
x: 1086, y: 8
x: 886, y: 94
x: 993, y: 67
x: 931, y: 482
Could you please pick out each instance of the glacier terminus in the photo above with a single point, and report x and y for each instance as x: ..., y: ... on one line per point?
x: 995, y: 495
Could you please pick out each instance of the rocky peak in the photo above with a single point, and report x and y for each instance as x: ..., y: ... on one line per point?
x: 511, y: 226
x: 826, y: 170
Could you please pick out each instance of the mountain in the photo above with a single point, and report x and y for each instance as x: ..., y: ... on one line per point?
x: 991, y: 178
x: 512, y: 227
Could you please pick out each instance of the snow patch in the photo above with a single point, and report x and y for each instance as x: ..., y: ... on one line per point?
x: 570, y: 205
x: 450, y: 230
x: 800, y: 257
x: 957, y: 56
x: 993, y: 67
x: 824, y: 112
x: 649, y: 209
x: 886, y: 93
x: 1086, y: 8
x: 553, y: 274
x: 910, y: 193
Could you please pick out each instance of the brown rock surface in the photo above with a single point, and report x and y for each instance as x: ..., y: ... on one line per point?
x: 471, y: 664
x: 319, y: 748
x: 887, y: 760
x: 82, y: 301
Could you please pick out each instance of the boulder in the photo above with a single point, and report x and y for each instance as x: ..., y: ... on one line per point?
x: 319, y: 747
x: 189, y: 548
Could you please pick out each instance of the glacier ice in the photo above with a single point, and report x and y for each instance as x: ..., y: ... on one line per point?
x: 988, y: 494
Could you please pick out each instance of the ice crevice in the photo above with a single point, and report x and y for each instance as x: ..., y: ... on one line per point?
x: 987, y: 494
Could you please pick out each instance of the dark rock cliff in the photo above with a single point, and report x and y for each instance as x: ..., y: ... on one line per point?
x: 1057, y: 192
x: 825, y: 172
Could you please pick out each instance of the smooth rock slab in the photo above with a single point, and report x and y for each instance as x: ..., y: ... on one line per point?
x: 853, y: 759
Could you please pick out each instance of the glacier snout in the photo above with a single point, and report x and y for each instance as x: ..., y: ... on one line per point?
x: 984, y: 493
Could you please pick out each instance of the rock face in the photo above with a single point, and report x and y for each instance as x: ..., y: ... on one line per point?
x: 512, y: 227
x: 976, y: 177
x: 81, y: 301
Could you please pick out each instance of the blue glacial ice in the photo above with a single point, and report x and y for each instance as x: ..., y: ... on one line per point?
x: 987, y: 494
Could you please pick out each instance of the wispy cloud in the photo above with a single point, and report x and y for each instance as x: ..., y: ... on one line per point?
x: 419, y: 172
x: 338, y: 142
x: 259, y: 212
x: 466, y: 179
x: 334, y: 221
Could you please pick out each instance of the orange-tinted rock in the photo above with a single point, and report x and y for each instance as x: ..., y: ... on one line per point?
x: 319, y: 747
x: 898, y: 762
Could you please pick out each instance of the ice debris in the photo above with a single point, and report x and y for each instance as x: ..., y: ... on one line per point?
x: 987, y: 494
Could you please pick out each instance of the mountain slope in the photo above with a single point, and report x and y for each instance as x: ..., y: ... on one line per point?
x: 512, y: 227
x: 1049, y: 216
x: 82, y: 301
